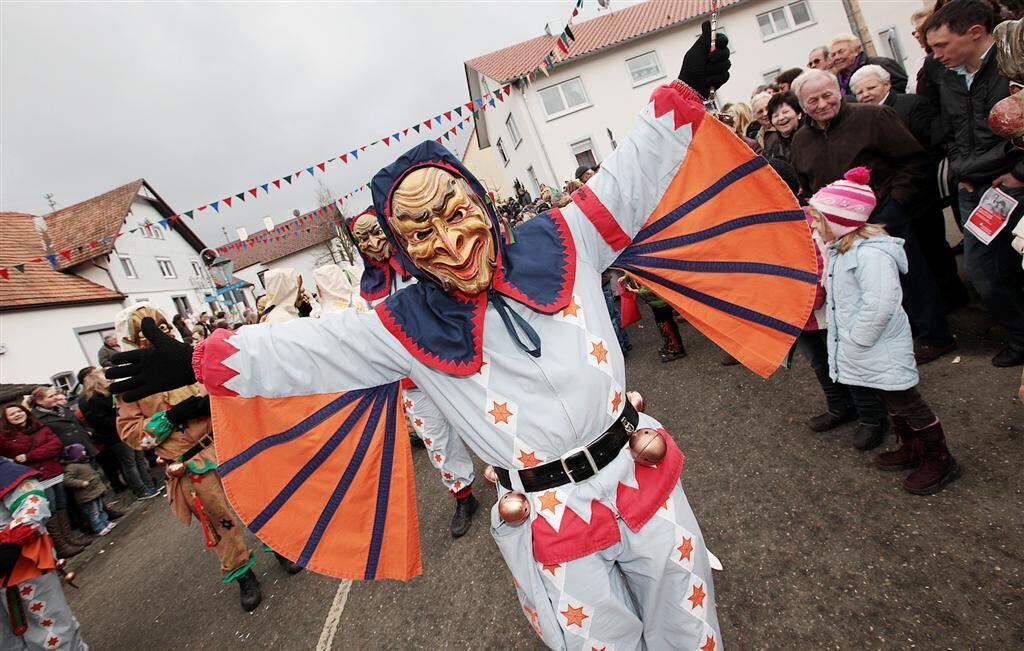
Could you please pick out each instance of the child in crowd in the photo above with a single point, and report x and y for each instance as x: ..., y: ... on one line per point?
x: 664, y: 316
x: 869, y: 340
x: 87, y: 487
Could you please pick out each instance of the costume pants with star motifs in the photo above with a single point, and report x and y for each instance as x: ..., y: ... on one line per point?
x: 651, y: 590
x: 51, y: 624
x: 447, y: 452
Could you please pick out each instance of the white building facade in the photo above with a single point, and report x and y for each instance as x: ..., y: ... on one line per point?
x: 543, y: 131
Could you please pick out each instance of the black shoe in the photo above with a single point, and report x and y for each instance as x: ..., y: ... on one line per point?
x: 830, y: 420
x: 114, y: 514
x: 417, y: 442
x: 289, y: 566
x: 869, y: 437
x: 465, y: 507
x: 1008, y: 357
x: 923, y: 353
x: 249, y: 591
x: 671, y: 357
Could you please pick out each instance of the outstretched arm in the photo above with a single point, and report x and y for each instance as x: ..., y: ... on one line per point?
x: 608, y: 212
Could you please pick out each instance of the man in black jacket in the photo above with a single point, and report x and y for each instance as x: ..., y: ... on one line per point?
x: 872, y: 85
x: 960, y: 34
x: 847, y: 56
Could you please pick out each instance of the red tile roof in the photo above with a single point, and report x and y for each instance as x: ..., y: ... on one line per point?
x: 286, y: 238
x: 41, y: 285
x: 595, y: 34
x: 90, y: 221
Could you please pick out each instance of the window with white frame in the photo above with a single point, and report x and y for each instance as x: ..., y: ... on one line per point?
x: 769, y: 77
x: 784, y: 19
x: 533, y: 180
x: 501, y: 152
x: 891, y: 42
x: 563, y: 98
x: 583, y: 151
x: 127, y: 266
x: 196, y: 269
x: 513, y: 131
x: 166, y: 268
x: 644, y: 68
x: 152, y: 231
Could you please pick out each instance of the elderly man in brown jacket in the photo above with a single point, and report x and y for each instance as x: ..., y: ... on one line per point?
x: 841, y: 136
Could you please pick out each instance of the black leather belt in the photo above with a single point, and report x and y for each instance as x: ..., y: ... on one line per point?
x: 577, y: 464
x: 203, y: 443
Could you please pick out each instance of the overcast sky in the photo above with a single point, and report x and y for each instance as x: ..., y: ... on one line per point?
x: 205, y: 100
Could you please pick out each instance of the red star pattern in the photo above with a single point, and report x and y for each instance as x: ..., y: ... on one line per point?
x: 457, y: 485
x: 551, y: 567
x: 437, y: 457
x: 34, y: 499
x: 571, y: 309
x: 407, y: 404
x: 500, y: 412
x: 53, y: 641
x: 528, y: 459
x: 418, y: 422
x: 37, y: 606
x: 686, y: 549
x: 616, y: 401
x: 26, y: 591
x: 46, y: 623
x: 573, y: 616
x: 31, y: 510
x: 599, y: 352
x: 448, y: 476
x: 697, y: 597
x: 532, y: 614
x: 428, y: 441
x: 709, y: 645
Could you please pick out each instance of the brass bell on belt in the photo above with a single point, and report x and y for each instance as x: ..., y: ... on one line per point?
x: 176, y: 469
x: 514, y: 508
x: 490, y: 475
x: 636, y: 399
x: 647, y: 447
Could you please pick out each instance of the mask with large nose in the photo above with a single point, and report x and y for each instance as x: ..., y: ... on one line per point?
x: 444, y: 229
x: 370, y: 238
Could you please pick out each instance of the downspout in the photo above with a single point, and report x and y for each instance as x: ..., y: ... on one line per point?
x: 536, y: 134
x: 856, y: 20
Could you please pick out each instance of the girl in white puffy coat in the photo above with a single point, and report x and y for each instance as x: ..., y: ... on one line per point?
x: 869, y: 338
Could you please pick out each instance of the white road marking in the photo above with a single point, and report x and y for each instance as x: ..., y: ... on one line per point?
x: 326, y: 641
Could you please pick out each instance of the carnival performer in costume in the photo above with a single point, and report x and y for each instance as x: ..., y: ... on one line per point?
x: 286, y: 300
x: 35, y: 613
x: 176, y: 425
x: 514, y: 345
x: 384, y: 275
x: 338, y: 289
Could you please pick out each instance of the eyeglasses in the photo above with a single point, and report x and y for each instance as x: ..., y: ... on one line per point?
x: 813, y: 63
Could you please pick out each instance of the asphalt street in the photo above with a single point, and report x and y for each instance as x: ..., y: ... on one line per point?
x: 821, y: 551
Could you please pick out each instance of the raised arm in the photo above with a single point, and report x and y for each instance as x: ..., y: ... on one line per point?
x: 614, y: 205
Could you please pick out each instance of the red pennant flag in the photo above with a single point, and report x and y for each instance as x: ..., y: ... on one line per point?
x: 387, y: 141
x: 506, y: 88
x: 438, y: 141
x: 405, y: 132
x: 66, y: 254
x: 4, y: 273
x: 296, y: 175
x: 277, y: 183
x: 575, y: 12
x: 253, y: 192
x: 93, y: 244
x: 201, y: 208
x: 321, y: 166
x: 363, y: 148
x: 447, y: 115
x: 469, y: 106
x: 427, y: 124
x: 227, y: 200
x: 344, y: 158
x: 561, y: 46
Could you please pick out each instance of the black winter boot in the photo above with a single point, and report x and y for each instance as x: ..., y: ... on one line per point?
x: 289, y: 566
x: 907, y: 455
x: 249, y: 591
x: 869, y: 436
x: 938, y: 467
x: 831, y: 420
x: 465, y: 507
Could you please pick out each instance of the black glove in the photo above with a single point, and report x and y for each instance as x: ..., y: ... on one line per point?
x: 189, y: 409
x: 165, y: 365
x: 9, y: 555
x: 703, y: 69
x: 305, y: 309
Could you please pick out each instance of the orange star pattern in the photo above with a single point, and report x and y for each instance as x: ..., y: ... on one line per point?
x: 428, y: 441
x: 686, y: 549
x: 457, y: 485
x: 31, y: 510
x: 418, y: 422
x: 437, y: 457
x: 528, y: 459
x: 549, y: 501
x: 709, y: 645
x: 407, y: 404
x: 573, y: 616
x: 697, y: 598
x: 599, y: 352
x: 572, y: 308
x: 34, y: 499
x: 616, y: 401
x: 500, y: 412
x: 551, y: 567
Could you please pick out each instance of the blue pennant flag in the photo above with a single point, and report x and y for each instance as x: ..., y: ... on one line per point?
x: 438, y: 118
x: 310, y: 170
x: 491, y: 102
x: 355, y: 153
x: 397, y: 139
x: 266, y: 188
x: 214, y: 204
x: 52, y: 259
x: 478, y: 101
x: 163, y: 223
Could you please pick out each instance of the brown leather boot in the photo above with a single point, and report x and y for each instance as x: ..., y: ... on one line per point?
x: 938, y: 467
x: 59, y: 531
x: 907, y: 455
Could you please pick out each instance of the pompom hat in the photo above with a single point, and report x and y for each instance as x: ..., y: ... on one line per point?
x: 847, y: 203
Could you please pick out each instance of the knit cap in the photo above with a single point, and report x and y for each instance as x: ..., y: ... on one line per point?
x: 75, y: 452
x: 847, y: 203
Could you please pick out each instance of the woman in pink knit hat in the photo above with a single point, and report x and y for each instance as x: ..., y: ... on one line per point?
x: 869, y: 339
